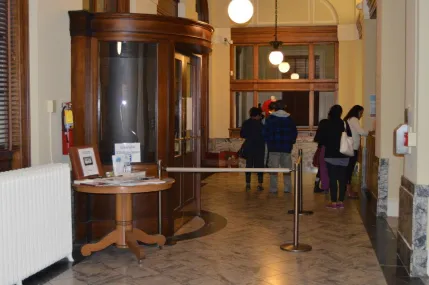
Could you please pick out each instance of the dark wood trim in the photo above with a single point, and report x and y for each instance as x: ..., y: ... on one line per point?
x: 25, y: 85
x: 192, y: 35
x: 372, y: 4
x: 204, y: 11
x: 168, y: 7
x: 282, y: 85
x: 256, y: 35
x: 122, y: 6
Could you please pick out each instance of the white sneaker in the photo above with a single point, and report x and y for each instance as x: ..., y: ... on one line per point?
x: 273, y: 190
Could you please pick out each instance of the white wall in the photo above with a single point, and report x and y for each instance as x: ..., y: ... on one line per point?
x: 50, y: 77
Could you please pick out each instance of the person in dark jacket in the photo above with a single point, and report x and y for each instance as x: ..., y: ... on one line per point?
x: 280, y: 134
x: 336, y: 161
x: 322, y: 179
x: 254, y: 145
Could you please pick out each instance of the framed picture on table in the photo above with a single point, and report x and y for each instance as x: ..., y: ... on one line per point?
x: 86, y: 162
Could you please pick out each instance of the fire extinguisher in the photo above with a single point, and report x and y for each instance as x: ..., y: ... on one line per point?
x: 67, y: 127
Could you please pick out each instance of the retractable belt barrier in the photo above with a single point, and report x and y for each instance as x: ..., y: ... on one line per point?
x: 294, y: 246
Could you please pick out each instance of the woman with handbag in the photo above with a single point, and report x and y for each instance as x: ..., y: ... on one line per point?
x: 352, y: 118
x: 336, y: 138
x: 253, y: 148
x: 322, y: 179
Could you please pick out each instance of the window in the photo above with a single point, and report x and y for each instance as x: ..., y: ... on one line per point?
x: 295, y: 55
x: 309, y: 97
x: 243, y: 65
x: 13, y: 84
x: 324, y: 56
x: 4, y: 76
x: 243, y: 101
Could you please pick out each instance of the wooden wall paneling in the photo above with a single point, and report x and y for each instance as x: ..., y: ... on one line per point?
x: 79, y: 78
x: 311, y: 62
x: 123, y: 6
x: 93, y: 140
x: 303, y: 34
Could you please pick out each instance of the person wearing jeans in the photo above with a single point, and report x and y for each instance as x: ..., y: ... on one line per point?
x: 280, y: 134
x: 336, y: 162
x: 322, y: 179
x: 352, y: 118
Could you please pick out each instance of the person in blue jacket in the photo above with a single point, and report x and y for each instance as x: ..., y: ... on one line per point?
x: 280, y: 135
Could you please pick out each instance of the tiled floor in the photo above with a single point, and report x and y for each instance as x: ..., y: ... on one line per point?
x: 247, y: 250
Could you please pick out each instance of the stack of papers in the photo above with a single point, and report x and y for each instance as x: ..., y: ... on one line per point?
x: 119, y: 181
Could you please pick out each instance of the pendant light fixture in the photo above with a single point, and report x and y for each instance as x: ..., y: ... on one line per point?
x: 294, y: 75
x: 276, y: 56
x: 284, y: 67
x: 240, y: 11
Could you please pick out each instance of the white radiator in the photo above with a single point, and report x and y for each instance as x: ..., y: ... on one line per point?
x: 35, y: 220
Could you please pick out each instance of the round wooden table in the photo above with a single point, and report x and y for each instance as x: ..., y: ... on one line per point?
x: 125, y: 235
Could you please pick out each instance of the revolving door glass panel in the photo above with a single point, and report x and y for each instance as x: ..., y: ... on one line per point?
x: 127, y: 99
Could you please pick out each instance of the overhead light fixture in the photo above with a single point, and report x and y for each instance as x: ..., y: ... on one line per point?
x: 284, y: 67
x: 276, y: 56
x: 294, y: 76
x: 119, y: 47
x: 240, y: 11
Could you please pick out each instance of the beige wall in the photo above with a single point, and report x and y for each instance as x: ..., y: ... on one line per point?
x: 390, y: 90
x: 369, y: 65
x: 292, y: 13
x: 49, y: 73
x: 417, y: 86
x: 144, y: 6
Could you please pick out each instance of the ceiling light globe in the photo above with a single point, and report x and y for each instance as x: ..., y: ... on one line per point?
x: 284, y: 67
x: 294, y: 76
x: 276, y: 57
x: 240, y: 11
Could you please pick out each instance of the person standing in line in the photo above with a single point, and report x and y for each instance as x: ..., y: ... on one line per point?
x: 336, y: 162
x: 322, y: 179
x: 352, y: 118
x: 280, y: 134
x: 254, y: 145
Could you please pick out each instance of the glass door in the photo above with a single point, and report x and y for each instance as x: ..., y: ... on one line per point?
x: 186, y: 131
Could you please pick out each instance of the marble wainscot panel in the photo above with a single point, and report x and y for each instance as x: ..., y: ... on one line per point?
x: 412, y: 227
x: 383, y: 186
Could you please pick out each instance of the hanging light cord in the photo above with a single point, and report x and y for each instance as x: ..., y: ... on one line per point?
x: 275, y: 23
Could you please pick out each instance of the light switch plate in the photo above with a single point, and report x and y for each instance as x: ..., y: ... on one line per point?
x: 51, y: 106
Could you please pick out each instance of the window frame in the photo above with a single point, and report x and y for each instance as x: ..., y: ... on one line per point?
x: 17, y: 154
x: 291, y: 36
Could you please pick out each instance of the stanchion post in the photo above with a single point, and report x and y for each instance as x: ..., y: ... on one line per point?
x: 299, y: 181
x: 295, y: 246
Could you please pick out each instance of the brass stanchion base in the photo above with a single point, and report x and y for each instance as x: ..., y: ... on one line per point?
x: 291, y: 248
x: 303, y: 213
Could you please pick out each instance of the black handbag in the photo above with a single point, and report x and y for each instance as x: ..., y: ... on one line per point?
x: 241, y: 152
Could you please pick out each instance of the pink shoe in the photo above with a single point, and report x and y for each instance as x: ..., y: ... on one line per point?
x: 332, y: 206
x: 340, y: 205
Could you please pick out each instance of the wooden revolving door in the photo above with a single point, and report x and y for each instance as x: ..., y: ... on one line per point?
x: 136, y: 78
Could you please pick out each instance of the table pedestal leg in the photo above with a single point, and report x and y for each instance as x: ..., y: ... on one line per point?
x: 125, y: 236
x: 108, y: 240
